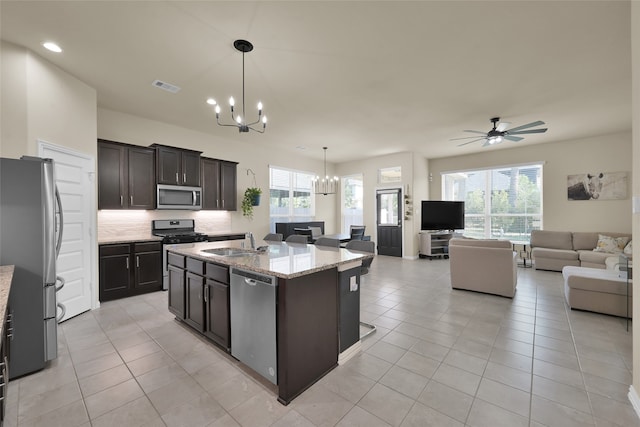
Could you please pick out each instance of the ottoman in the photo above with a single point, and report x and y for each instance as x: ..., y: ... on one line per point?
x: 597, y: 290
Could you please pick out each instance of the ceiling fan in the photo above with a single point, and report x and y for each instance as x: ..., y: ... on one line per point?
x: 500, y: 133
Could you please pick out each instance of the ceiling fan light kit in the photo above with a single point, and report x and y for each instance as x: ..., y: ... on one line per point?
x: 499, y: 133
x: 243, y: 46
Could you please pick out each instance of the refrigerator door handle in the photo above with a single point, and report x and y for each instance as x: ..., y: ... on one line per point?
x: 61, y: 281
x: 64, y: 311
x: 61, y: 222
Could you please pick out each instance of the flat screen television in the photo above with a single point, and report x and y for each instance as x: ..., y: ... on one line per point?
x: 442, y: 215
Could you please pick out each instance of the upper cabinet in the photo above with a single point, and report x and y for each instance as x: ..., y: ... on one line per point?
x: 126, y: 176
x: 219, y: 185
x: 177, y: 166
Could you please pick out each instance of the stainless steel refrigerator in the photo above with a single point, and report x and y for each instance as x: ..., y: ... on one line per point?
x: 30, y: 238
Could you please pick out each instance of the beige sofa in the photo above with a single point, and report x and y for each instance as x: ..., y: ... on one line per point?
x: 487, y: 266
x: 553, y: 250
x: 601, y: 291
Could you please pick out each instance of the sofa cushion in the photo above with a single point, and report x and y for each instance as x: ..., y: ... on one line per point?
x: 595, y: 280
x: 584, y: 240
x: 610, y: 244
x: 554, y: 253
x: 552, y: 239
x: 593, y: 257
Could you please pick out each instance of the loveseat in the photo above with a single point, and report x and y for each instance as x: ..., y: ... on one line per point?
x: 480, y: 265
x: 553, y: 250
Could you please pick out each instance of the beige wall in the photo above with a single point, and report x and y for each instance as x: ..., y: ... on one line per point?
x: 635, y: 53
x: 609, y: 153
x: 117, y: 126
x: 369, y: 168
x: 40, y: 101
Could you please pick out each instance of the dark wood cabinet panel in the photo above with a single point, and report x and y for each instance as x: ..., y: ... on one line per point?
x: 194, y: 287
x: 219, y: 184
x: 176, y: 291
x: 126, y: 176
x: 217, y: 313
x: 129, y: 269
x: 142, y: 178
x: 177, y: 166
x: 112, y: 186
x: 115, y: 273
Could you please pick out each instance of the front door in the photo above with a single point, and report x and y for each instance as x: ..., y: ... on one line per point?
x: 389, y: 221
x: 74, y: 172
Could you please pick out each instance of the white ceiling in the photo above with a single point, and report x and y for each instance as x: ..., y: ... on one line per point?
x: 363, y: 78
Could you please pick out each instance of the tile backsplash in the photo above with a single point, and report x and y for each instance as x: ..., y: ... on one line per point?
x: 133, y: 224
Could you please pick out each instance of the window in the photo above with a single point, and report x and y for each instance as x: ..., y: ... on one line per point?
x: 504, y: 203
x: 290, y: 196
x: 389, y: 175
x: 352, y: 197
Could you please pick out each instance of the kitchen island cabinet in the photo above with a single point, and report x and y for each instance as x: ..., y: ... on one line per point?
x: 126, y: 176
x: 129, y: 269
x: 199, y: 296
x: 307, y: 305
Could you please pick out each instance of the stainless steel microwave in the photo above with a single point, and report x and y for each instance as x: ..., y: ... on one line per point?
x: 179, y: 197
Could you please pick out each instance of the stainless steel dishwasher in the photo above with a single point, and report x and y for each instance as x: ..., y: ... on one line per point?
x: 253, y: 321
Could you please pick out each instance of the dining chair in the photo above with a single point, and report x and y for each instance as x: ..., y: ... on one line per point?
x: 304, y: 232
x: 363, y: 246
x: 356, y: 232
x: 273, y: 237
x: 297, y: 238
x: 327, y: 241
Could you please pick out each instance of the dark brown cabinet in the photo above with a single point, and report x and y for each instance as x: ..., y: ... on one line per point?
x: 199, y: 295
x: 129, y: 269
x: 177, y: 166
x: 126, y: 176
x: 219, y: 184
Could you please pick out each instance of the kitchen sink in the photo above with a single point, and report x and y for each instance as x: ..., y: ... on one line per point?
x: 230, y: 251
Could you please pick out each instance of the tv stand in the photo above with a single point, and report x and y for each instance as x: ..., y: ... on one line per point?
x: 434, y: 244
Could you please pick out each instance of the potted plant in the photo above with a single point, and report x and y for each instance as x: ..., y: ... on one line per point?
x: 251, y: 198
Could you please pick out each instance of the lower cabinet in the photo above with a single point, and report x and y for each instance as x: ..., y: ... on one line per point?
x: 5, y: 342
x: 199, y: 296
x: 129, y: 269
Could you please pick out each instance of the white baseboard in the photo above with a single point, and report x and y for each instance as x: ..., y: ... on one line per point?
x: 349, y: 353
x: 634, y: 399
x: 414, y: 257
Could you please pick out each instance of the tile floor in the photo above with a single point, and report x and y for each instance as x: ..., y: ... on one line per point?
x: 439, y: 358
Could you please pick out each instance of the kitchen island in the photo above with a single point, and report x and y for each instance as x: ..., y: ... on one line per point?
x: 304, y: 302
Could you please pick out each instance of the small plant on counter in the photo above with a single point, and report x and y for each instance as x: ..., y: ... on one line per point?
x: 251, y: 198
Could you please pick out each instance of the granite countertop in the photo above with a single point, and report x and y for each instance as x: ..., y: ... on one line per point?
x: 284, y: 260
x: 6, y: 275
x: 125, y: 239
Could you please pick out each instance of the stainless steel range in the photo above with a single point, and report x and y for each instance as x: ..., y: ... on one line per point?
x: 174, y: 231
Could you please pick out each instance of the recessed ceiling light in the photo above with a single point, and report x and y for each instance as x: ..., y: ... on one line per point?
x: 53, y: 47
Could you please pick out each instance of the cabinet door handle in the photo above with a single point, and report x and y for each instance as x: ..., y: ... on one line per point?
x: 127, y: 263
x: 121, y: 200
x: 184, y: 177
x: 137, y: 261
x: 206, y: 293
x: 131, y: 200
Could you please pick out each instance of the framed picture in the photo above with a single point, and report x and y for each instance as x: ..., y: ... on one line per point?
x: 598, y: 186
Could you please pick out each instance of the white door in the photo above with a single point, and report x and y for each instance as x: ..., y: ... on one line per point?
x: 74, y: 174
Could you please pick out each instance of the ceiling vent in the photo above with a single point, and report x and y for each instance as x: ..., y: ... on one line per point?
x: 165, y: 86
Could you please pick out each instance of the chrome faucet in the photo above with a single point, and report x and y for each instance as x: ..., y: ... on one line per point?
x: 249, y: 236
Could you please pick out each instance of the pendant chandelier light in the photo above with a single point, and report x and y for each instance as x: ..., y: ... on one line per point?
x: 241, y: 120
x: 325, y: 185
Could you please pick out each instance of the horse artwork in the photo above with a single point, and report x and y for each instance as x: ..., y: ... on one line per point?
x: 597, y: 186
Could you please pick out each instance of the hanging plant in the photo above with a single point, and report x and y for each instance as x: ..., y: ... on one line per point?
x: 251, y: 198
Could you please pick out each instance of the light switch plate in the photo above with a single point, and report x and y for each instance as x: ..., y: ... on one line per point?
x: 353, y: 283
x: 635, y: 201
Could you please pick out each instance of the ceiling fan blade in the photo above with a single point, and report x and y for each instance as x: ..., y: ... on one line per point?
x: 475, y: 131
x: 523, y: 132
x: 502, y: 126
x: 528, y: 125
x: 466, y: 137
x: 513, y: 138
x: 469, y: 142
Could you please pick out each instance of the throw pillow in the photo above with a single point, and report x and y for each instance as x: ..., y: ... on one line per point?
x: 628, y: 250
x: 610, y: 244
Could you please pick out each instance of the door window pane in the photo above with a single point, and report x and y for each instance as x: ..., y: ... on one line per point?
x: 388, y: 205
